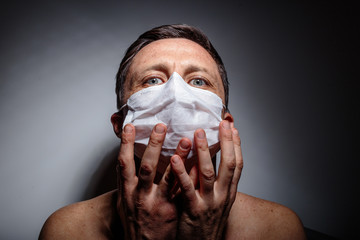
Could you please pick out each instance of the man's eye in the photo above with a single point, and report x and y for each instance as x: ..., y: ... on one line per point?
x: 197, y: 82
x: 154, y: 81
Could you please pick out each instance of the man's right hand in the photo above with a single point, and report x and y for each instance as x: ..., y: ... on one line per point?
x: 147, y: 210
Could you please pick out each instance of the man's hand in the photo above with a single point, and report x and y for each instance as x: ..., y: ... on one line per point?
x: 205, y: 210
x: 147, y: 210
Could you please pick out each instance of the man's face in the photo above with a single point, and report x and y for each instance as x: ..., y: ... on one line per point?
x: 155, y: 63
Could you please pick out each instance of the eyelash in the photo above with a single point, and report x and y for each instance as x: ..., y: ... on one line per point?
x: 205, y: 81
x: 146, y: 81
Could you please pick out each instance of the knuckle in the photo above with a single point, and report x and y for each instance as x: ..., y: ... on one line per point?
x: 229, y: 159
x: 231, y: 165
x: 203, y: 146
x: 139, y: 203
x: 186, y: 187
x: 122, y: 163
x: 240, y: 164
x: 155, y: 141
x: 227, y: 135
x: 195, y: 214
x: 208, y: 174
x: 146, y: 169
x: 125, y: 139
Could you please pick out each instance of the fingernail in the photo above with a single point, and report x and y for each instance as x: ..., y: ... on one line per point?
x: 226, y: 124
x: 128, y: 129
x: 200, y: 134
x: 159, y: 128
x: 184, y: 144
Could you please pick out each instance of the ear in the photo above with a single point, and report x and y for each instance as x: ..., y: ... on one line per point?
x: 229, y: 117
x: 117, y: 120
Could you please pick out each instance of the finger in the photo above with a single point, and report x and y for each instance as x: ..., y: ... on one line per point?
x: 206, y: 168
x: 185, y: 182
x: 118, y: 180
x: 183, y: 148
x: 151, y: 156
x: 239, y: 163
x: 194, y: 173
x: 228, y: 161
x: 126, y: 169
x: 168, y: 185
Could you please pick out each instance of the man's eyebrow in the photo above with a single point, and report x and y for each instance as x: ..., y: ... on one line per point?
x: 160, y: 67
x: 191, y: 68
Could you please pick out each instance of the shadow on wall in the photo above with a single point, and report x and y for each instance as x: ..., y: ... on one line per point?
x: 104, y: 178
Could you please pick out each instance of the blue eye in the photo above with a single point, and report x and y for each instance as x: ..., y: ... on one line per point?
x: 154, y: 81
x: 197, y: 82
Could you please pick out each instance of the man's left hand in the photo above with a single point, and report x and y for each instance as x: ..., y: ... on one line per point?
x: 205, y: 210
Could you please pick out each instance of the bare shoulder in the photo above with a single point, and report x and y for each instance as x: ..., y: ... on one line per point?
x: 255, y: 218
x: 89, y: 219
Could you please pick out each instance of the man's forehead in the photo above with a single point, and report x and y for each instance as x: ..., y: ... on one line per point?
x: 179, y: 47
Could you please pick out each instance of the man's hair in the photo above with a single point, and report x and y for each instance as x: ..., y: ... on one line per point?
x: 165, y: 32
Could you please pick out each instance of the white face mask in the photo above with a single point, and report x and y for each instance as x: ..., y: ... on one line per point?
x: 182, y: 108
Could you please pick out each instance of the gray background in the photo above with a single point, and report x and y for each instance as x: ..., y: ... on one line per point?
x: 292, y: 71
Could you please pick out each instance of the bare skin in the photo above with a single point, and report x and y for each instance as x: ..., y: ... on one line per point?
x: 250, y: 218
x: 186, y: 205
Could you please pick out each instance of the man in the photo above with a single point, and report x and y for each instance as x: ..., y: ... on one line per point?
x: 178, y: 197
